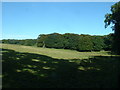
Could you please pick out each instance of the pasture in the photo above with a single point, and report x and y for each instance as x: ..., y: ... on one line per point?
x: 33, y: 67
x: 55, y: 53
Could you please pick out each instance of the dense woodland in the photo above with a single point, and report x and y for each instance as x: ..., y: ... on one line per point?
x: 68, y: 41
x: 27, y: 42
x: 75, y: 42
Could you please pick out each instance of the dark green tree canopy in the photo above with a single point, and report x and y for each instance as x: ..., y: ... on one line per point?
x: 74, y: 41
x: 114, y: 18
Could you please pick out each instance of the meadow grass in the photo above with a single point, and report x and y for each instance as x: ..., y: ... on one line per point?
x: 33, y: 67
x: 55, y: 53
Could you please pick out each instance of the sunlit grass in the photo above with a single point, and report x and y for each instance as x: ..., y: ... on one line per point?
x: 87, y: 68
x: 28, y: 70
x: 35, y: 60
x: 42, y: 75
x: 31, y: 66
x: 81, y: 68
x: 46, y: 67
x: 55, y: 53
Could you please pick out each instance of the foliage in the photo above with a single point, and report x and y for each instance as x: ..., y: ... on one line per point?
x: 85, y: 43
x: 41, y: 40
x: 98, y: 43
x: 27, y: 42
x: 114, y: 18
x: 75, y: 41
x: 70, y: 41
x: 67, y: 41
x: 54, y: 40
x: 108, y: 41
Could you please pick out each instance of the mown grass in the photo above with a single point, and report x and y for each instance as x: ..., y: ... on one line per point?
x: 55, y: 53
x: 24, y: 69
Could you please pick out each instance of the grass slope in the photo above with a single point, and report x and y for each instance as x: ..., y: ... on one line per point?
x: 54, y: 53
x: 23, y: 69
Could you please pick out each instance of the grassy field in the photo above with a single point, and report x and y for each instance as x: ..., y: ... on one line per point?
x: 55, y: 53
x: 33, y: 67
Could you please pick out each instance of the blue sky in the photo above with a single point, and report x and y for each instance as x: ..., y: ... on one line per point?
x: 26, y: 20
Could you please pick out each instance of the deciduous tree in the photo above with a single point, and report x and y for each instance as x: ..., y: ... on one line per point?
x: 114, y: 18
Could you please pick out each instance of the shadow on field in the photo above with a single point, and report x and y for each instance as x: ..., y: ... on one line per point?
x: 28, y: 70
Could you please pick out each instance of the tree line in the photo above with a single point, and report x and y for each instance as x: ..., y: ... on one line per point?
x: 71, y: 41
x: 26, y: 42
x: 67, y: 41
x: 75, y: 41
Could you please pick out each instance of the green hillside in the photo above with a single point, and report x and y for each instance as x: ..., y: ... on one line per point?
x: 33, y: 67
x: 55, y: 53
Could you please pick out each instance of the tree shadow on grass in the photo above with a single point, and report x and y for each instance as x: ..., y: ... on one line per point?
x: 28, y: 70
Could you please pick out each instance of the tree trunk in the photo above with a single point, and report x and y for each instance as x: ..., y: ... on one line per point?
x: 43, y: 44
